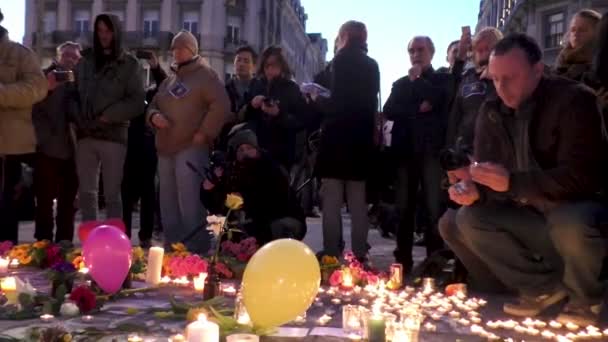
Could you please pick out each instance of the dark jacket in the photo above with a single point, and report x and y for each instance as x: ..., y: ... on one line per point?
x: 266, y: 193
x: 552, y: 145
x: 347, y: 129
x: 470, y: 95
x: 277, y: 134
x: 109, y: 86
x: 54, y: 135
x: 237, y: 101
x: 415, y: 132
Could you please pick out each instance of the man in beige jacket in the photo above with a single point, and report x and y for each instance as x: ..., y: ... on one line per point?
x: 188, y: 112
x: 21, y: 85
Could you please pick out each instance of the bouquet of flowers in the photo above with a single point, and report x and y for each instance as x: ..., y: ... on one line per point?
x: 328, y: 265
x: 242, y: 251
x: 353, y: 274
x: 41, y: 254
x: 186, y: 266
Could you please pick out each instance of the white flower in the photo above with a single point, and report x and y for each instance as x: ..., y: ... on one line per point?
x: 25, y: 287
x: 69, y: 309
x: 215, y: 224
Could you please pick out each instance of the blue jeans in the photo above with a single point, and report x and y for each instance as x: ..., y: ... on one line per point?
x: 180, y: 206
x: 533, y: 253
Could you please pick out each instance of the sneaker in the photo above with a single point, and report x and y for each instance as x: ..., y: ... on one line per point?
x: 581, y: 315
x: 529, y: 306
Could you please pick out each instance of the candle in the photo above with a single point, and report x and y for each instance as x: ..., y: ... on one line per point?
x: 464, y: 321
x: 242, y: 338
x: 363, y: 301
x: 202, y: 330
x: 351, y: 319
x: 528, y: 322
x: 428, y: 285
x: 9, y: 287
x: 533, y: 331
x: 454, y: 314
x: 539, y: 324
x: 14, y: 263
x: 83, y: 270
x: 476, y: 320
x: 87, y: 318
x: 177, y: 338
x: 199, y: 282
x: 165, y: 280
x: 324, y: 319
x: 396, y: 272
x: 555, y: 324
x: 347, y: 280
x: 430, y: 327
x: 228, y: 290
x: 435, y: 316
x: 520, y: 329
x: 571, y: 326
x: 510, y: 324
x: 376, y: 327
x: 300, y: 319
x: 155, y: 265
x: 134, y: 338
x: 548, y: 334
x: 4, y: 265
x: 47, y: 318
x: 336, y: 301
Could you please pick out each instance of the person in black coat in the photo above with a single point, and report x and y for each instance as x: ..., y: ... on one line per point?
x: 140, y: 167
x: 347, y: 138
x: 419, y: 105
x: 276, y: 108
x: 271, y: 209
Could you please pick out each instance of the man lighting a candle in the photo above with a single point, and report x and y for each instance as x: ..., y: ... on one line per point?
x: 532, y: 206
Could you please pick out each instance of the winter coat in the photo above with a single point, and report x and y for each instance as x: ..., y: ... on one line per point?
x: 347, y: 128
x: 193, y: 100
x: 22, y: 84
x: 110, y: 87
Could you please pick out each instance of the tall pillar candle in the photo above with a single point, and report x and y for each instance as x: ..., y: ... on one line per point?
x: 155, y: 265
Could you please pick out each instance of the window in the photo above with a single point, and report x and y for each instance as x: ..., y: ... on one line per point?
x: 82, y: 20
x: 555, y: 25
x: 190, y: 22
x: 50, y: 21
x: 233, y: 34
x: 151, y: 23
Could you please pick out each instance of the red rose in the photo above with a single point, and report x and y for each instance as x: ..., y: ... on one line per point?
x: 84, y: 298
x: 223, y: 270
x: 53, y: 256
x: 336, y: 278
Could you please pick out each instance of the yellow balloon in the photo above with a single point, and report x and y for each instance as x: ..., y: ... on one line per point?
x: 280, y: 282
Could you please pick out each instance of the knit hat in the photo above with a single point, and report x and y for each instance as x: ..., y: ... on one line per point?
x: 185, y: 39
x: 245, y: 136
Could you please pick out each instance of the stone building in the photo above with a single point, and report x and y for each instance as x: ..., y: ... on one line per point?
x: 220, y: 25
x: 545, y: 20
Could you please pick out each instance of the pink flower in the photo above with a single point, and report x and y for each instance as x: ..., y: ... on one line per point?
x: 336, y: 278
x: 349, y: 256
x: 223, y: 270
x: 372, y: 279
x: 5, y: 247
x: 243, y: 257
x: 53, y: 256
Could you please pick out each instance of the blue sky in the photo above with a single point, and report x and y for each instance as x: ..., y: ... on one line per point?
x: 390, y: 24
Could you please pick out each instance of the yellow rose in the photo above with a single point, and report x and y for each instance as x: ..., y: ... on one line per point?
x: 179, y: 247
x: 234, y: 201
x: 138, y: 253
x: 329, y: 260
x: 41, y: 244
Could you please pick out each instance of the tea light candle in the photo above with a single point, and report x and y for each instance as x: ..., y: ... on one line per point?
x: 47, y: 318
x: 155, y: 265
x: 376, y: 327
x: 605, y: 332
x: 435, y: 316
x: 323, y: 320
x: 477, y: 330
x: 533, y: 331
x: 510, y: 324
x: 454, y: 314
x: 464, y: 321
x: 14, y: 263
x: 347, y: 280
x: 134, y: 338
x: 571, y: 326
x: 228, y: 290
x: 199, y: 282
x: 555, y: 324
x: 165, y: 280
x: 520, y: 329
x: 548, y: 334
x: 528, y: 322
x: 336, y: 301
x: 428, y: 285
x: 9, y: 287
x: 476, y: 320
x: 83, y: 270
x: 4, y: 265
x: 363, y: 301
x: 177, y: 338
x: 87, y: 318
x: 242, y: 338
x: 430, y: 327
x: 202, y: 330
x: 300, y: 320
x: 539, y: 324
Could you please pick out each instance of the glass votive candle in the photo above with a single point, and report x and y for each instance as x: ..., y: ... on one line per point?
x: 240, y: 312
x: 4, y: 262
x: 351, y: 319
x: 228, y: 290
x: 391, y: 324
x: 428, y: 285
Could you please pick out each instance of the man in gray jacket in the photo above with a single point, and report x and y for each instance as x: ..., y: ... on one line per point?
x: 110, y: 93
x: 55, y: 169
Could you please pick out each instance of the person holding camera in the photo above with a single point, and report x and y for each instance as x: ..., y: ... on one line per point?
x: 22, y: 84
x: 271, y: 208
x: 276, y: 107
x: 55, y: 166
x: 187, y: 113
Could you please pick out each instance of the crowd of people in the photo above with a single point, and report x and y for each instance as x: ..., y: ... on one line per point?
x: 501, y: 157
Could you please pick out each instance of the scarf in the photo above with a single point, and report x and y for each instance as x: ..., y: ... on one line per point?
x: 573, y: 63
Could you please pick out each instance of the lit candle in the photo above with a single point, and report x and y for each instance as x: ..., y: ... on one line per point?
x: 454, y: 314
x: 155, y: 265
x: 228, y: 290
x: 83, y: 270
x: 605, y: 332
x: 428, y: 285
x: 510, y: 324
x: 592, y: 328
x: 165, y: 280
x: 4, y: 265
x: 376, y: 327
x: 539, y: 324
x: 9, y: 287
x: 177, y: 338
x: 435, y: 316
x: 571, y: 326
x: 14, y: 263
x: 533, y: 331
x: 87, y: 318
x: 243, y: 318
x: 363, y: 301
x: 134, y: 338
x: 199, y: 282
x: 476, y: 320
x: 336, y: 301
x: 396, y: 272
x: 555, y: 324
x: 477, y: 330
x: 347, y: 280
x: 548, y: 334
x: 300, y: 320
x: 323, y: 320
x: 202, y: 330
x: 242, y: 338
x: 47, y: 318
x: 528, y: 322
x: 520, y: 329
x: 430, y: 327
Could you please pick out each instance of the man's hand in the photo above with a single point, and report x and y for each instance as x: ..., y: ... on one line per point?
x: 199, y: 139
x: 258, y: 101
x: 272, y: 110
x: 50, y: 77
x: 207, y: 185
x: 159, y: 121
x: 153, y: 61
x: 494, y: 176
x: 455, y: 176
x: 464, y: 193
x: 425, y: 107
x: 415, y: 72
x: 464, y: 46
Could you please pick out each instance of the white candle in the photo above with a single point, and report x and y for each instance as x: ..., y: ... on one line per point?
x: 14, y: 263
x: 202, y: 330
x: 47, y: 318
x: 155, y: 265
x: 4, y: 265
x: 9, y: 287
x: 199, y: 282
x: 242, y: 338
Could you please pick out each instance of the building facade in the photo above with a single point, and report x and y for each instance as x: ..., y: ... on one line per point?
x: 545, y: 20
x: 220, y: 25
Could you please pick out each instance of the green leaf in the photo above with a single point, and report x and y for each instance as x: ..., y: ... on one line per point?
x: 179, y: 308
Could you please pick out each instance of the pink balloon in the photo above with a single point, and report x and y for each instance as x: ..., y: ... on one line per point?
x: 107, y: 255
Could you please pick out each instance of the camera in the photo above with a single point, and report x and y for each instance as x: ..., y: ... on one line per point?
x: 216, y: 160
x: 454, y: 158
x: 63, y: 76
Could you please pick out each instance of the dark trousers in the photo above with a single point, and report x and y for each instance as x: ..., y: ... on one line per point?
x: 10, y: 175
x: 418, y: 171
x: 532, y: 253
x: 55, y: 179
x: 139, y: 184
